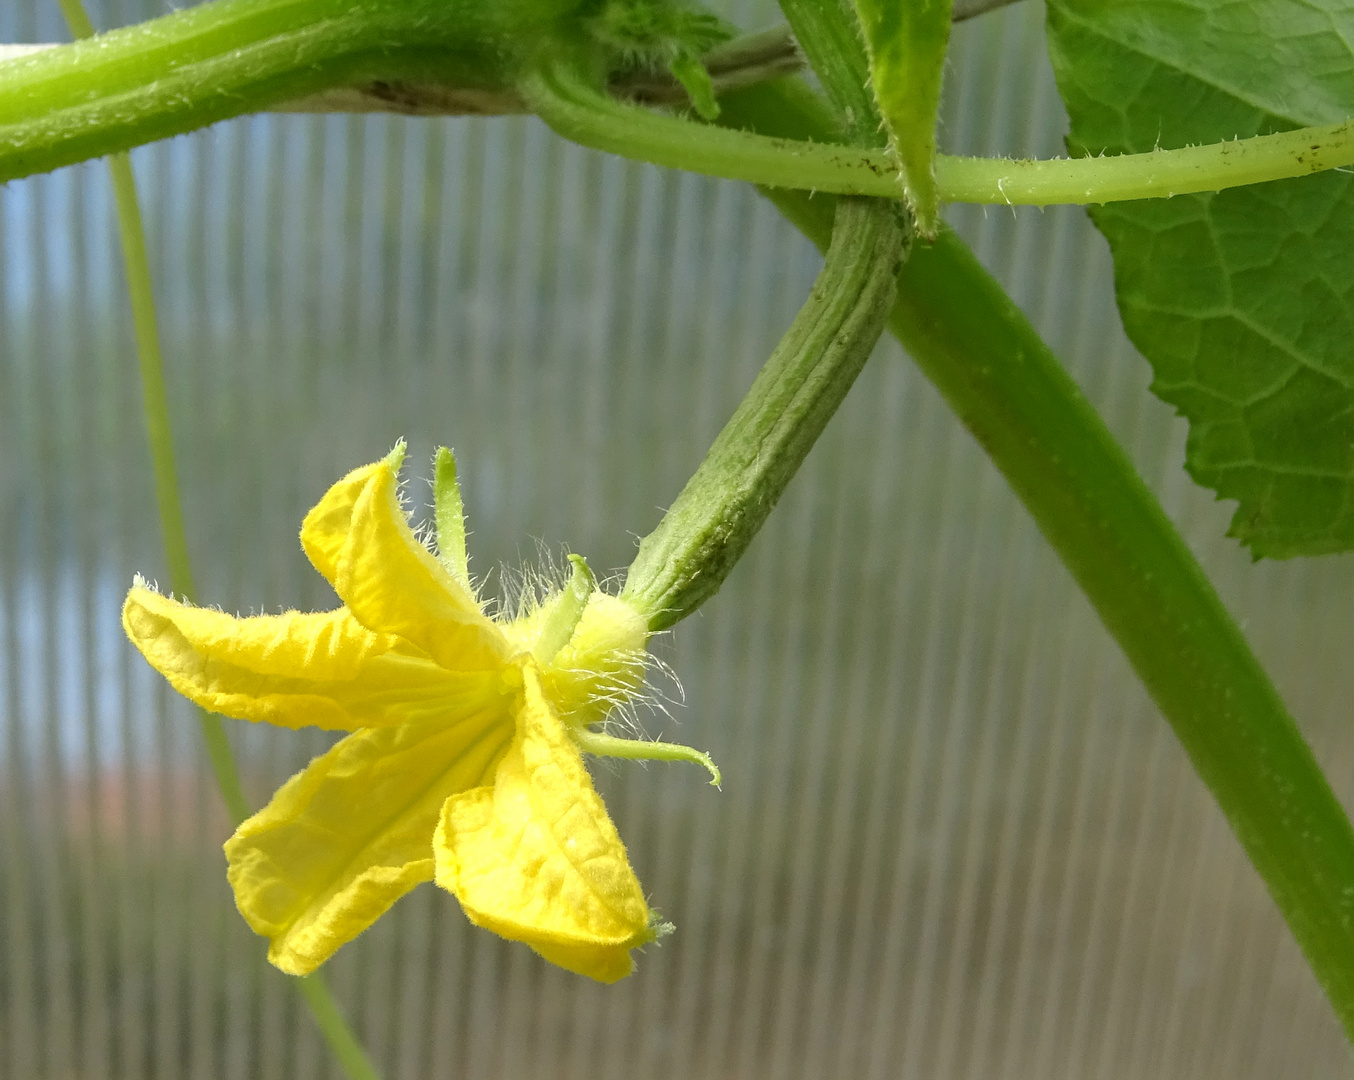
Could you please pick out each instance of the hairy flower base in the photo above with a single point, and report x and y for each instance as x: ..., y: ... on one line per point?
x: 463, y: 764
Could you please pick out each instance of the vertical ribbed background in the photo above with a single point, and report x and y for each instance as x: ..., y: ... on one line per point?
x: 955, y: 839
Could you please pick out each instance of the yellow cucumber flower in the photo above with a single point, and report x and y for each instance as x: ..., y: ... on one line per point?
x: 464, y: 762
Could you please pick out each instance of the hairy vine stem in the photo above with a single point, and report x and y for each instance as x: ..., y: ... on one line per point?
x: 586, y: 115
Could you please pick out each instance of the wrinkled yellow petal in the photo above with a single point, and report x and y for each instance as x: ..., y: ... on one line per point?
x: 536, y: 859
x: 294, y: 670
x: 349, y: 835
x: 324, y: 531
x: 358, y: 538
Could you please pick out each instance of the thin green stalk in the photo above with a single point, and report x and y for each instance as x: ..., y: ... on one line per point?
x: 580, y: 112
x: 1011, y: 392
x: 155, y: 405
x: 1154, y: 175
x: 342, y: 1042
x: 155, y: 408
x: 576, y: 109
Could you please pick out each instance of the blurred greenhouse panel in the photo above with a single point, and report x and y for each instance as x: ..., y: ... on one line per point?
x: 955, y: 839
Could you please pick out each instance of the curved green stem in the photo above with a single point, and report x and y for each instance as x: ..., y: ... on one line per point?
x: 342, y: 1042
x: 1011, y: 392
x: 156, y: 410
x: 577, y: 110
x: 155, y: 405
x: 582, y: 113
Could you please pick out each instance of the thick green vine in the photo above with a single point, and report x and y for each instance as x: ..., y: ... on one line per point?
x: 1010, y: 391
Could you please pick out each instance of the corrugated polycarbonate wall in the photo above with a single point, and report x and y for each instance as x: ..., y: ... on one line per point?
x: 954, y: 838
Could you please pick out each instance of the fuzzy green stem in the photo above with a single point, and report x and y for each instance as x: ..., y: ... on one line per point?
x: 582, y: 113
x: 1154, y: 175
x: 579, y: 111
x: 830, y: 40
x: 155, y: 408
x: 1011, y: 392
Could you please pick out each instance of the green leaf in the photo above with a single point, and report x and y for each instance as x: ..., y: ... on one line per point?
x: 906, y: 40
x: 687, y: 69
x: 1243, y: 300
x: 449, y: 515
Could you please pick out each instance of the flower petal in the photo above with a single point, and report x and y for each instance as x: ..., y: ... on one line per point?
x: 536, y: 858
x: 322, y: 669
x: 349, y: 835
x: 324, y: 531
x: 358, y: 537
